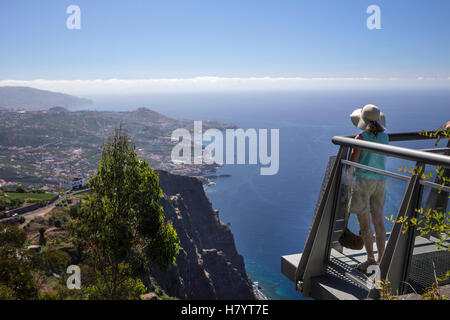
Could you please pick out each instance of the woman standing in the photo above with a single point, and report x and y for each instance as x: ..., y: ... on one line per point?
x: 369, y: 190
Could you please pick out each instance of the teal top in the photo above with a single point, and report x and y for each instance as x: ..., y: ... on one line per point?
x: 372, y: 159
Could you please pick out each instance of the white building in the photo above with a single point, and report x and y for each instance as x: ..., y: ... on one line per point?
x: 74, y: 184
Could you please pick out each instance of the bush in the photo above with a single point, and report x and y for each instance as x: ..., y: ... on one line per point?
x: 42, y: 203
x: 42, y: 240
x: 12, y: 236
x: 54, y: 260
x: 6, y: 293
x: 16, y: 277
x: 58, y: 224
x: 20, y: 189
x: 73, y: 212
x: 8, y: 203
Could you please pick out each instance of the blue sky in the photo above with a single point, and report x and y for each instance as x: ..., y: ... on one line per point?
x: 142, y: 39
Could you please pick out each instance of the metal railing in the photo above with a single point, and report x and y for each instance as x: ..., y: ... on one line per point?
x: 395, y: 261
x: 376, y: 170
x: 394, y: 151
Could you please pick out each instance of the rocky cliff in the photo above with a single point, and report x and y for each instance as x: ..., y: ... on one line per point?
x: 208, y: 265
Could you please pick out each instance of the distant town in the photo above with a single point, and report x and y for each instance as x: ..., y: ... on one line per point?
x: 50, y: 149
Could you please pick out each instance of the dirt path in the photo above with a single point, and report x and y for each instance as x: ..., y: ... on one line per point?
x: 32, y: 214
x: 42, y: 211
x: 36, y: 213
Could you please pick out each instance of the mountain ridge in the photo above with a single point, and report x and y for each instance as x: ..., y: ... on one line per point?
x: 32, y: 99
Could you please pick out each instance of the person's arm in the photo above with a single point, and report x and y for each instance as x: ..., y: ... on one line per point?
x: 356, y: 152
x: 447, y: 126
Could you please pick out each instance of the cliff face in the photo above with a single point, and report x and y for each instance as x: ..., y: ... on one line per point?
x: 208, y: 265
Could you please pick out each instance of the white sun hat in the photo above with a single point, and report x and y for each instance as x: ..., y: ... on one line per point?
x: 362, y: 117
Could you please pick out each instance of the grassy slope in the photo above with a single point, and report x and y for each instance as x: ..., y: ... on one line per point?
x: 30, y: 196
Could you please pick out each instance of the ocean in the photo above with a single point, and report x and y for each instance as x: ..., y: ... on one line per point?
x: 270, y: 215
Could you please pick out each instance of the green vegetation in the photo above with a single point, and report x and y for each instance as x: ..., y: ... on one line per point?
x: 12, y: 200
x: 30, y: 197
x: 431, y: 221
x: 6, y: 203
x: 120, y: 227
x: 115, y: 234
x: 23, y: 273
x: 16, y: 266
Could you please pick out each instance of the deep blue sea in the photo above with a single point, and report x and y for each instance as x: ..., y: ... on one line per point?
x: 270, y: 215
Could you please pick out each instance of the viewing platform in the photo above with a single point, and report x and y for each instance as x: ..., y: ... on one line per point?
x: 411, y: 261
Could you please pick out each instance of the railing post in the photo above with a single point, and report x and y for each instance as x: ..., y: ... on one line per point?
x: 315, y: 253
x: 396, y: 257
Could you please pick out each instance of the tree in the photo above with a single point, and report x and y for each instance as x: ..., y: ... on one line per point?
x: 121, y: 227
x: 42, y: 240
x: 16, y: 272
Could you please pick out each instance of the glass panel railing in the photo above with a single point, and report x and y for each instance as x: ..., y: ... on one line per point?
x: 395, y: 190
x: 430, y: 259
x: 381, y: 196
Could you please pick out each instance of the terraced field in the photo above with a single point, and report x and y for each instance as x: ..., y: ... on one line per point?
x: 30, y: 197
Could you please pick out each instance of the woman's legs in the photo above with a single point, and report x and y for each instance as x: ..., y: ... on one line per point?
x: 377, y: 202
x: 366, y: 234
x: 380, y: 233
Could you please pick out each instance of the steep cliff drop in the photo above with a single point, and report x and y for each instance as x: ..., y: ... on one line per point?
x: 208, y: 265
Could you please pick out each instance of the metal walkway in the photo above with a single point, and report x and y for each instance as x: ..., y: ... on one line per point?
x: 326, y: 270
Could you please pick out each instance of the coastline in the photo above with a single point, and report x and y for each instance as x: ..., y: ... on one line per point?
x: 259, y: 292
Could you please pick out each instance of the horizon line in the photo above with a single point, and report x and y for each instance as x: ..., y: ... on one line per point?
x: 225, y: 84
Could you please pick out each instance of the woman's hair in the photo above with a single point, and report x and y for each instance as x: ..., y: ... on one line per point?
x: 375, y: 128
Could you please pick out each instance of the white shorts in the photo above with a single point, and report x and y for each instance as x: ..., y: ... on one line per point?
x: 368, y: 196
